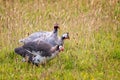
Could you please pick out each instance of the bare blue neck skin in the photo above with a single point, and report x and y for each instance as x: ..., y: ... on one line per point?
x: 55, y: 29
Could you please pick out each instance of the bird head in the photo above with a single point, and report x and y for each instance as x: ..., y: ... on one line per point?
x: 65, y: 36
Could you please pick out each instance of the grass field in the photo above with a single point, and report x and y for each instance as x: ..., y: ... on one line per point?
x: 92, y: 53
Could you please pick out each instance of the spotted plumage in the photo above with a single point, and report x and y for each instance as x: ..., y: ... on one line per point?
x: 39, y: 52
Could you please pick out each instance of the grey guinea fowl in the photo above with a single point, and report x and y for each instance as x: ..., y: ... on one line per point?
x: 37, y: 52
x: 55, y: 40
x: 42, y: 35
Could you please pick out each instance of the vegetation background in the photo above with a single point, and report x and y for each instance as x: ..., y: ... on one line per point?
x: 92, y: 53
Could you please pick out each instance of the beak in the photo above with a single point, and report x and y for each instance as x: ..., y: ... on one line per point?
x: 68, y: 36
x: 58, y: 27
x: 61, y: 48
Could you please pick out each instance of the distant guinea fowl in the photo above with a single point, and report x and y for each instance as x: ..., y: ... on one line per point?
x: 37, y: 52
x: 43, y: 35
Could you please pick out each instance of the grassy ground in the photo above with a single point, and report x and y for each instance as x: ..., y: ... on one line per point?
x: 92, y: 53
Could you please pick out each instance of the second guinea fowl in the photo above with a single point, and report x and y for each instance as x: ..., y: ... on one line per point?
x: 54, y: 41
x: 38, y: 52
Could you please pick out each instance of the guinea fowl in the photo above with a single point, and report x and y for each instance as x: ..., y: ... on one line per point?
x: 55, y: 40
x: 43, y: 35
x: 37, y: 52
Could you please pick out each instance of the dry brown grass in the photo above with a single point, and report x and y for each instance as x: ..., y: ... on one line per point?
x: 94, y: 27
